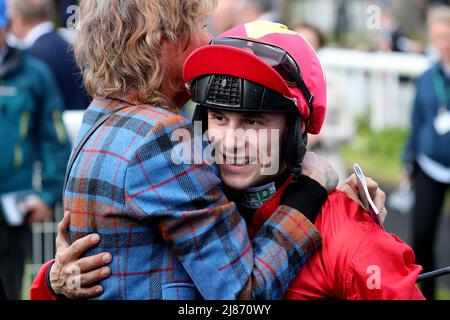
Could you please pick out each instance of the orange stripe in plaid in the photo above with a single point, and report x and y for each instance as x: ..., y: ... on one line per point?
x: 287, y: 213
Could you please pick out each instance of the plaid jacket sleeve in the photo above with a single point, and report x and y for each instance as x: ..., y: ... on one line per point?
x: 204, y: 229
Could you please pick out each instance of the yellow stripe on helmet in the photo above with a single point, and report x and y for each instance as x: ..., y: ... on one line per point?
x: 261, y: 28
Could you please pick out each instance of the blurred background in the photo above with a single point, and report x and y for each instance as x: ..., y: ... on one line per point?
x: 373, y: 52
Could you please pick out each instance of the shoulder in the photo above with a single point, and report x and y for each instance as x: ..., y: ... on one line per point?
x: 143, y: 128
x: 378, y: 244
x: 155, y: 121
x: 34, y: 66
x: 37, y: 76
x: 427, y: 75
x: 340, y: 210
x: 343, y: 223
x: 50, y: 39
x: 356, y: 248
x: 164, y: 120
x: 54, y: 51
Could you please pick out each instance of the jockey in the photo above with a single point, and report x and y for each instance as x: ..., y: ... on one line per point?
x: 263, y: 76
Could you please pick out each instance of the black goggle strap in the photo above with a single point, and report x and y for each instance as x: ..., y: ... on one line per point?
x: 308, y: 96
x: 295, y: 148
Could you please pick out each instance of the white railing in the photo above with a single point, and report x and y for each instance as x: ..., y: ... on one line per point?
x: 72, y: 120
x: 380, y: 85
x: 43, y: 242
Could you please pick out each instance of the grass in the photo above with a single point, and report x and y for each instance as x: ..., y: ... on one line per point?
x: 443, y: 294
x: 379, y: 154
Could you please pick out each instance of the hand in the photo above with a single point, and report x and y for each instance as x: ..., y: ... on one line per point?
x: 319, y: 169
x: 350, y: 188
x: 72, y: 276
x: 38, y: 211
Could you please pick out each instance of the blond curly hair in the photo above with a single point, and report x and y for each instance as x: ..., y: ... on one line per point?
x: 118, y: 43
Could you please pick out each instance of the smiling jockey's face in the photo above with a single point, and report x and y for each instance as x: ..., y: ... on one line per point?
x: 251, y: 145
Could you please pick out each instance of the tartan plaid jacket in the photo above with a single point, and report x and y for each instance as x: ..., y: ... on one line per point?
x: 170, y: 229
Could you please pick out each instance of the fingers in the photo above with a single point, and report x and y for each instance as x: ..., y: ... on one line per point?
x: 378, y: 195
x: 62, y: 239
x: 383, y: 215
x: 380, y: 200
x: 90, y: 278
x: 85, y: 293
x: 373, y: 187
x: 94, y: 262
x: 351, y: 182
x: 74, y: 279
x: 350, y: 188
x: 76, y: 249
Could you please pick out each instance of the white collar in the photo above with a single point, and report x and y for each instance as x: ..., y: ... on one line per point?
x: 37, y: 32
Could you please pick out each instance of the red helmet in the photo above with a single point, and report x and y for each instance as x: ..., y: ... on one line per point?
x: 261, y: 67
x: 255, y: 52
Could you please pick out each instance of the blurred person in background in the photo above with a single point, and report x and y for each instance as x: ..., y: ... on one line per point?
x: 312, y: 34
x: 223, y: 16
x: 251, y: 10
x: 64, y: 8
x: 342, y: 22
x: 427, y: 153
x: 33, y: 30
x: 229, y: 13
x: 391, y: 38
x: 31, y: 130
x: 317, y: 39
x: 438, y: 2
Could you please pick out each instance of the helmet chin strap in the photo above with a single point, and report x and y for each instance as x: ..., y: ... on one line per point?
x: 296, y: 148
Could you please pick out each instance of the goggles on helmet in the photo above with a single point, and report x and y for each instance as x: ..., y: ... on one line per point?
x: 277, y: 58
